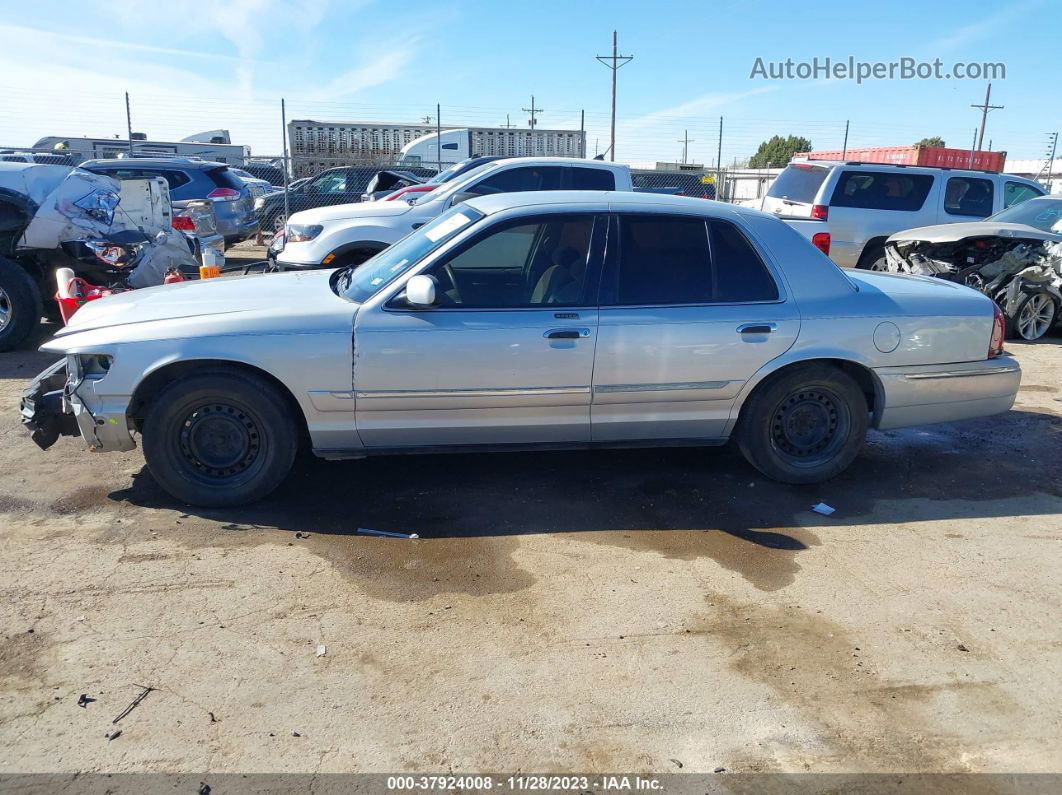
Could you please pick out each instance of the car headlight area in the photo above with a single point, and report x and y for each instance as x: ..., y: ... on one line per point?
x: 302, y: 233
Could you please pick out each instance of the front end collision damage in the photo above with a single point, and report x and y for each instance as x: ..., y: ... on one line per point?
x: 1006, y: 269
x: 66, y: 400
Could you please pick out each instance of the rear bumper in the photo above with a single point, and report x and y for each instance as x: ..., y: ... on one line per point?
x: 947, y: 392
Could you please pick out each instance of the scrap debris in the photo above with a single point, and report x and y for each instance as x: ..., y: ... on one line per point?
x: 823, y: 508
x: 321, y: 650
x: 114, y: 734
x: 387, y: 533
x: 134, y: 703
x: 84, y: 700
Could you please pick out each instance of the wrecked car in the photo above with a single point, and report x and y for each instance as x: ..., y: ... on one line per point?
x: 1013, y: 257
x: 506, y: 322
x: 112, y: 235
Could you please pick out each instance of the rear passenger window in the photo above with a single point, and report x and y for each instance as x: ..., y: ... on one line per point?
x: 968, y: 196
x: 881, y: 190
x: 175, y: 178
x: 592, y: 179
x: 1017, y: 192
x: 516, y: 180
x: 684, y: 260
x: 740, y: 274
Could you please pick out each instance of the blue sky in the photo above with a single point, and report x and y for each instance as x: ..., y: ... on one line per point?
x: 198, y: 65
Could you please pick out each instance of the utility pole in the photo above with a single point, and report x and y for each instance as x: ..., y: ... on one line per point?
x: 129, y: 123
x: 582, y: 133
x: 984, y: 113
x: 507, y: 122
x: 438, y: 132
x: 973, y: 147
x: 617, y: 61
x: 685, y: 141
x: 719, y: 164
x: 287, y: 164
x: 844, y: 149
x: 532, y: 110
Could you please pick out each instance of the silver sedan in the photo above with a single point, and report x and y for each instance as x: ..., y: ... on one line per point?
x: 546, y: 320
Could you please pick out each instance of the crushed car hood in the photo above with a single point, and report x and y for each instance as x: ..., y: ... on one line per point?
x: 950, y: 233
x: 339, y: 212
x: 197, y: 299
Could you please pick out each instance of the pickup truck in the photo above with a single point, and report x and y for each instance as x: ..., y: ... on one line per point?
x: 849, y: 209
x: 349, y: 234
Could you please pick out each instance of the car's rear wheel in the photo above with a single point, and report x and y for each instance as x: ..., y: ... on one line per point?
x: 804, y: 426
x: 220, y: 438
x: 873, y: 260
x: 1035, y: 315
x: 21, y: 305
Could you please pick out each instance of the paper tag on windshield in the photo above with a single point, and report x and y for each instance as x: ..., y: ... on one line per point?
x: 451, y: 224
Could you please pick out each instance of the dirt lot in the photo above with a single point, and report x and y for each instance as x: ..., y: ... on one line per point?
x: 576, y: 611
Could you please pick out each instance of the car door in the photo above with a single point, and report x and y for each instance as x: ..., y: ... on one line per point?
x: 689, y: 312
x: 504, y: 357
x: 519, y: 179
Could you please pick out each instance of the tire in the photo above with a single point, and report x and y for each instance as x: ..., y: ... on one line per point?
x: 805, y: 426
x: 220, y: 439
x: 1034, y: 317
x: 873, y: 260
x: 355, y: 257
x: 21, y: 305
x: 272, y: 221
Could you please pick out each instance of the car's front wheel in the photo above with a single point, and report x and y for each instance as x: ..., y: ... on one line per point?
x: 220, y: 438
x: 1035, y: 315
x: 804, y: 426
x: 21, y: 305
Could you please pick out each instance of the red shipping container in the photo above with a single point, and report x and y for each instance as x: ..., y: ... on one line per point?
x: 935, y: 156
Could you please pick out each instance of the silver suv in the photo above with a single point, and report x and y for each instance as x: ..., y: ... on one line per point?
x: 849, y: 209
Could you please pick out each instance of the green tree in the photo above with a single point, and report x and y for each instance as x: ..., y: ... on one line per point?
x: 934, y: 141
x: 778, y: 151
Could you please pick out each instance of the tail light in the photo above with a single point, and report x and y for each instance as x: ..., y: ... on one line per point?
x: 224, y: 194
x: 995, y: 345
x: 821, y: 241
x: 819, y: 212
x: 184, y: 223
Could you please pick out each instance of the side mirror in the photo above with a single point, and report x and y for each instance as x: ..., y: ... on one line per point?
x: 463, y: 196
x: 420, y: 291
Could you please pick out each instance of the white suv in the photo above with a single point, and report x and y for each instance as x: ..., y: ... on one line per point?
x: 849, y: 209
x: 348, y: 234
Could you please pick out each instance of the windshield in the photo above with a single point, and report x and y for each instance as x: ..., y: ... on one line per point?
x: 445, y: 175
x: 360, y: 283
x: 798, y: 183
x: 1044, y: 214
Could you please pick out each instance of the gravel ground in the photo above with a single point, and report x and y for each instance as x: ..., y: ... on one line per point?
x: 621, y: 610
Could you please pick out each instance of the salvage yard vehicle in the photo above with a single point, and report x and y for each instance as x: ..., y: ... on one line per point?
x: 507, y: 322
x: 389, y: 181
x: 446, y: 175
x: 849, y: 209
x: 335, y: 186
x: 190, y: 178
x: 110, y: 234
x: 1014, y: 257
x: 349, y: 234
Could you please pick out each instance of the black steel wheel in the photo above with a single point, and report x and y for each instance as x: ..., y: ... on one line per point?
x: 805, y: 425
x: 220, y: 438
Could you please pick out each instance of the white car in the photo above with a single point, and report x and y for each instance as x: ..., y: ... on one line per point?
x: 527, y: 321
x: 348, y: 234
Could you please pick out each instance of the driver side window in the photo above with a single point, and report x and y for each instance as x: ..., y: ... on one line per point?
x: 520, y: 264
x: 516, y: 180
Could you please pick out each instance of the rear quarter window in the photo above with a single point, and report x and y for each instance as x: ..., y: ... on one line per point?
x: 592, y: 179
x: 224, y: 178
x: 881, y: 190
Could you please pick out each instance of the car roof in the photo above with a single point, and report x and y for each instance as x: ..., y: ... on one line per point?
x: 605, y: 200
x: 157, y: 162
x: 903, y: 168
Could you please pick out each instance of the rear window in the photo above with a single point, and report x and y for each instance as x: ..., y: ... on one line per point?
x: 798, y: 183
x: 224, y: 178
x: 881, y: 190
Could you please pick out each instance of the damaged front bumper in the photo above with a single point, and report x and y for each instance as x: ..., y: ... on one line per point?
x: 61, y: 401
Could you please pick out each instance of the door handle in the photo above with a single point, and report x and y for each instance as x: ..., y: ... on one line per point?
x: 756, y: 328
x: 566, y: 333
x: 418, y: 226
